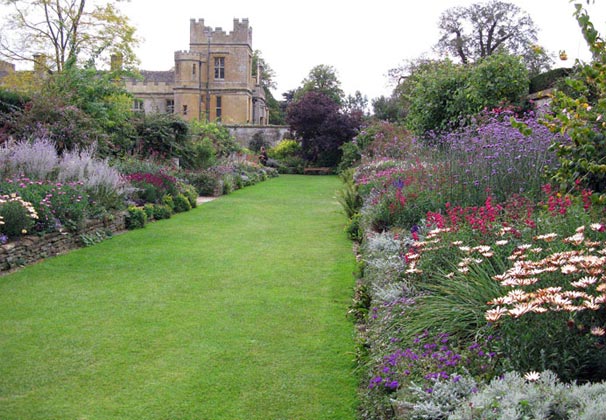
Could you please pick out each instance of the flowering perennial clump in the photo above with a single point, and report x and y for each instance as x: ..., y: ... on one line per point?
x: 581, y: 273
x: 434, y: 357
x: 14, y: 198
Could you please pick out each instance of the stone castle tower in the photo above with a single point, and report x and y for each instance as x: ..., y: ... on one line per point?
x: 212, y: 81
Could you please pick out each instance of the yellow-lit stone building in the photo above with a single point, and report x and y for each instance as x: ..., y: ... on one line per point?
x: 212, y: 81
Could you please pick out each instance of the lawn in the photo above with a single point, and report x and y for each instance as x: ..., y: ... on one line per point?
x: 235, y: 310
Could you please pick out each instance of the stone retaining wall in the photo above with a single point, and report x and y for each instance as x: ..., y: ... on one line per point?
x: 29, y: 249
x: 272, y: 134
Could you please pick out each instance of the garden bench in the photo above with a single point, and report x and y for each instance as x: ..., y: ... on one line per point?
x: 317, y: 171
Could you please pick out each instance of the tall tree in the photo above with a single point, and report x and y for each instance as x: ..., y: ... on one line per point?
x: 53, y: 33
x: 322, y: 79
x: 356, y: 103
x: 483, y: 29
x: 322, y: 128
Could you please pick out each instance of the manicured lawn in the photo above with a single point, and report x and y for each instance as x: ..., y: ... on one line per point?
x: 235, y: 310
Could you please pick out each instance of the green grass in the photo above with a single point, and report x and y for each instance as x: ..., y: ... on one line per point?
x: 235, y: 310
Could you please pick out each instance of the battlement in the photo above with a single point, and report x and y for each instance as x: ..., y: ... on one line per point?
x: 199, y: 33
x: 189, y: 56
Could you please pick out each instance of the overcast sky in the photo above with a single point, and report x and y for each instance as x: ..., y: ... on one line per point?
x: 362, y: 40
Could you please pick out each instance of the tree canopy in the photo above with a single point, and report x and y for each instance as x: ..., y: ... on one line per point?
x: 441, y: 95
x: 322, y: 128
x: 53, y: 33
x: 483, y: 29
x: 322, y: 79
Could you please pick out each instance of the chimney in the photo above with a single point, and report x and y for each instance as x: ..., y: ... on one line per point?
x: 40, y: 64
x: 6, y: 67
x: 116, y: 62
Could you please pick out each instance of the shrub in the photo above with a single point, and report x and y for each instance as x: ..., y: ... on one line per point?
x: 148, y: 208
x: 16, y: 216
x: 578, y: 111
x: 284, y: 149
x: 190, y: 192
x: 135, y: 218
x: 181, y: 203
x: 198, y: 154
x: 548, y: 79
x: 398, y: 205
x: 168, y: 201
x: 161, y: 211
x: 291, y: 165
x: 223, y: 142
x: 353, y: 228
x: 151, y: 187
x: 444, y: 95
x: 228, y: 185
x: 205, y: 182
x: 162, y: 134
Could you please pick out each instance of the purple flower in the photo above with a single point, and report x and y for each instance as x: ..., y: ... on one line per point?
x: 392, y: 385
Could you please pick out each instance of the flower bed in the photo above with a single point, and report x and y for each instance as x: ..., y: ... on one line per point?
x: 460, y: 298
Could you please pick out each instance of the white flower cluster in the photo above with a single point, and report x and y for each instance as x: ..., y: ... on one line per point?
x: 25, y: 204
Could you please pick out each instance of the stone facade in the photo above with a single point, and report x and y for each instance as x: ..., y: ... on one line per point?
x: 212, y: 81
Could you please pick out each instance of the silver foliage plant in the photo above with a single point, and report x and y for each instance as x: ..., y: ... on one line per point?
x: 38, y: 160
x: 35, y: 159
x: 514, y: 397
x: 384, y: 267
x: 444, y: 398
x: 97, y: 176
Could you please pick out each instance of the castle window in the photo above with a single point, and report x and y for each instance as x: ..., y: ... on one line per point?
x: 170, y: 106
x: 218, y: 108
x: 184, y: 109
x: 138, y: 105
x: 219, y: 67
x: 193, y: 70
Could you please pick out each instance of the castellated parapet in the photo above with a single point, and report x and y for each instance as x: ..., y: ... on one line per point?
x: 199, y: 33
x: 188, y: 56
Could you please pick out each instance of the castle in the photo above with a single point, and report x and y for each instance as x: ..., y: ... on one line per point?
x: 213, y: 81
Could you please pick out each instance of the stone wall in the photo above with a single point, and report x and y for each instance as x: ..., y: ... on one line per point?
x: 29, y: 249
x: 271, y: 133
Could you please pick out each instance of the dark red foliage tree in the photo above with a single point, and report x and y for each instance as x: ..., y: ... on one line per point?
x: 322, y: 127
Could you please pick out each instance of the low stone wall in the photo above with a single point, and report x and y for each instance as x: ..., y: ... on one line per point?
x: 32, y: 248
x: 272, y: 134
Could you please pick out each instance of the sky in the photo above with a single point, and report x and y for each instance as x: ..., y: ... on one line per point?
x: 361, y: 40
